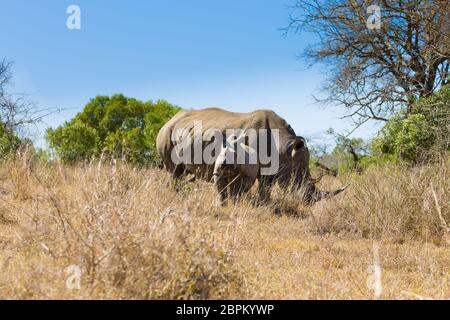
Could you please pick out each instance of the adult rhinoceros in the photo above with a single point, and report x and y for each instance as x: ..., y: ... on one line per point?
x: 236, y: 149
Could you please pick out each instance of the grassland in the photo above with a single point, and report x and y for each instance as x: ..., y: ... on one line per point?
x: 133, y: 236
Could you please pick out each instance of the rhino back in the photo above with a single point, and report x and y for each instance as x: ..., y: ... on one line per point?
x: 216, y: 118
x: 221, y: 120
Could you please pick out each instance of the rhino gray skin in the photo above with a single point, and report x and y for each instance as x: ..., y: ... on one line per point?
x: 293, y: 154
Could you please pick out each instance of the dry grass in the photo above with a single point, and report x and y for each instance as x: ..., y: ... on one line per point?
x: 134, y: 237
x: 391, y: 203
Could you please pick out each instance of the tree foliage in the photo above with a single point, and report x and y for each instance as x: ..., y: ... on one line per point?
x: 74, y: 141
x: 116, y: 126
x: 9, y: 143
x: 421, y: 134
x: 350, y: 152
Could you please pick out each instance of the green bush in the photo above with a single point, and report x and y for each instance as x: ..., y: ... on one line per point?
x: 406, y: 139
x: 74, y: 141
x: 116, y: 126
x: 9, y: 143
x: 420, y: 134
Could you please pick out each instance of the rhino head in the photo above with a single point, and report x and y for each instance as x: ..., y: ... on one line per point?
x: 294, y: 170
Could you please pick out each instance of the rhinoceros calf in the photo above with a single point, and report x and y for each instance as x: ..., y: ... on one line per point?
x: 233, y: 150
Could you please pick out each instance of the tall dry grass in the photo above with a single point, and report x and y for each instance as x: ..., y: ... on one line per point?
x: 391, y: 202
x: 133, y: 236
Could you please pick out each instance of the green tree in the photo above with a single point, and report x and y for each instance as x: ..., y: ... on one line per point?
x: 421, y: 134
x: 74, y: 141
x: 129, y: 145
x: 155, y: 119
x: 9, y: 142
x: 350, y: 153
x: 117, y: 126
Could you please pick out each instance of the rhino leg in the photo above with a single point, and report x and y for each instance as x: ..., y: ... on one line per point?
x: 231, y: 186
x: 237, y: 178
x: 221, y: 183
x: 240, y: 186
x: 264, y: 188
x: 178, y: 171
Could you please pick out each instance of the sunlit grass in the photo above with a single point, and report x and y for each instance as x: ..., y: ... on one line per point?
x: 135, y: 237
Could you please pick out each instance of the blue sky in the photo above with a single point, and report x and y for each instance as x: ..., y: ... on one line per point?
x: 195, y: 53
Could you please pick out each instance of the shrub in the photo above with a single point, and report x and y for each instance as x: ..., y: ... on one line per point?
x: 406, y: 139
x: 419, y: 135
x: 118, y: 126
x: 74, y: 141
x: 9, y: 143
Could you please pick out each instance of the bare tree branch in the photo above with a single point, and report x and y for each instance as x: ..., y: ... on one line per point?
x: 16, y: 110
x: 376, y: 72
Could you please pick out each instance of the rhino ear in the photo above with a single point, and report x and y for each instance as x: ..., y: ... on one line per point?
x: 297, y: 145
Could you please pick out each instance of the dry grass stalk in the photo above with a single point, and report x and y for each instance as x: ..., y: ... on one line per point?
x: 134, y: 237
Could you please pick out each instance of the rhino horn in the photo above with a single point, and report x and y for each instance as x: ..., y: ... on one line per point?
x: 317, y: 180
x: 314, y: 194
x: 330, y: 194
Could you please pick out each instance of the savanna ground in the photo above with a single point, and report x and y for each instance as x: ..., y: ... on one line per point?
x: 134, y: 237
